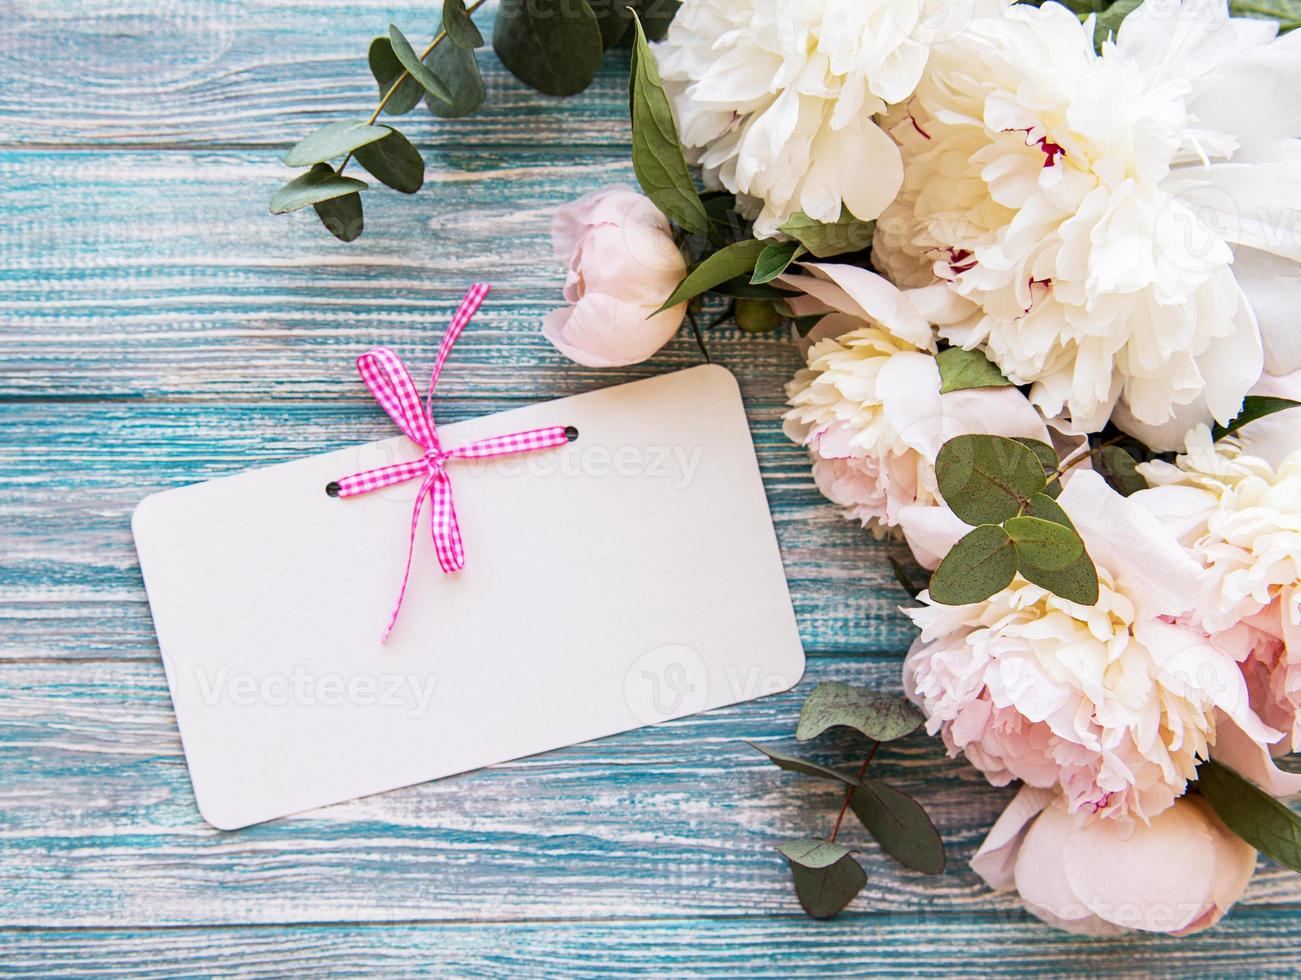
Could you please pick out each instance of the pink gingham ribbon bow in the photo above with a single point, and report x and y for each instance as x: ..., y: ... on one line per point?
x: 388, y: 380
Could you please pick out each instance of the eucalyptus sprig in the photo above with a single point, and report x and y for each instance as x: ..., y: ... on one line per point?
x: 554, y: 46
x: 827, y: 876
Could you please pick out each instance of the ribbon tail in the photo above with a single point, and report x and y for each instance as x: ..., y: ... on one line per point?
x: 443, y: 525
x: 425, y: 489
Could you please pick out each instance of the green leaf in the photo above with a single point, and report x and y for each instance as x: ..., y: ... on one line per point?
x: 756, y: 315
x: 1262, y: 821
x: 613, y: 17
x: 1253, y: 407
x: 320, y: 183
x: 655, y: 16
x: 804, y: 324
x: 553, y: 46
x: 987, y: 479
x: 1077, y: 582
x: 823, y: 892
x: 342, y: 216
x: 393, y: 161
x: 386, y: 68
x: 1108, y: 22
x: 459, y: 70
x: 825, y: 239
x: 425, y: 78
x: 461, y: 30
x: 1120, y: 471
x: 804, y: 767
x: 1048, y: 459
x: 813, y: 852
x: 902, y: 578
x: 773, y: 260
x: 961, y: 369
x: 899, y: 825
x: 742, y: 288
x: 737, y: 259
x: 1044, y: 507
x: 656, y: 150
x: 1043, y: 544
x: 881, y: 717
x: 332, y: 141
x: 979, y: 565
x: 1286, y: 12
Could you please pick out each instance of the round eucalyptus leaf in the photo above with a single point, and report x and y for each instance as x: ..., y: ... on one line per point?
x: 332, y: 141
x: 823, y: 892
x: 979, y: 565
x: 458, y: 68
x: 834, y: 704
x: 461, y: 30
x: 1043, y: 544
x: 418, y: 70
x: 987, y: 479
x: 553, y: 46
x: 900, y: 825
x: 342, y: 216
x: 386, y: 68
x: 1077, y: 582
x: 393, y: 161
x: 1120, y: 470
x: 320, y: 183
x: 1043, y: 506
x: 813, y: 852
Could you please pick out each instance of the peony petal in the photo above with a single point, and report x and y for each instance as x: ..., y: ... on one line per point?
x: 600, y: 331
x: 607, y: 204
x: 1131, y: 544
x: 1251, y: 759
x: 931, y: 532
x: 1158, y: 877
x: 996, y: 859
x: 872, y: 297
x: 1273, y: 288
x: 1040, y: 871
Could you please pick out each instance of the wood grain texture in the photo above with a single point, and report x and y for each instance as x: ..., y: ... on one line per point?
x: 158, y: 327
x: 1250, y: 944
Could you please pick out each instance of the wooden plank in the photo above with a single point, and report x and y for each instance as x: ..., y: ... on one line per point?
x: 1257, y: 943
x: 161, y: 275
x: 675, y: 820
x: 69, y: 580
x: 251, y: 73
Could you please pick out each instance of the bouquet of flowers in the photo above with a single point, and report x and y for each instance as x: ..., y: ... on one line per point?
x: 1042, y: 263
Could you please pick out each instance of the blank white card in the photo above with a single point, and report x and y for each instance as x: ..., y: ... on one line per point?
x: 627, y: 578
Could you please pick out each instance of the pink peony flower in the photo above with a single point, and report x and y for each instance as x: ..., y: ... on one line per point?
x: 623, y: 264
x: 1177, y: 874
x: 1238, y: 514
x: 1112, y: 705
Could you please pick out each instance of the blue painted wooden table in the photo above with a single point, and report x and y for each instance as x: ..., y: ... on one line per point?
x: 158, y: 327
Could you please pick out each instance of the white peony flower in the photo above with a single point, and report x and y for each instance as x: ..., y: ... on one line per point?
x: 1101, y: 215
x: 868, y: 406
x: 1115, y: 703
x: 776, y: 100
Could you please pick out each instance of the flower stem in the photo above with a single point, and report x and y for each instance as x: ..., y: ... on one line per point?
x: 849, y: 793
x: 438, y: 39
x: 695, y: 329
